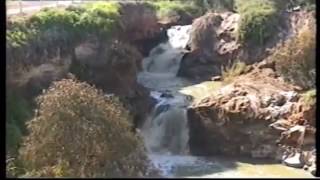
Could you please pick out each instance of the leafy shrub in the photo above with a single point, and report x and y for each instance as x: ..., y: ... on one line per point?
x: 58, y: 30
x: 18, y: 111
x: 79, y: 132
x: 166, y: 8
x: 258, y: 21
x: 295, y: 59
x: 101, y: 18
x: 231, y: 71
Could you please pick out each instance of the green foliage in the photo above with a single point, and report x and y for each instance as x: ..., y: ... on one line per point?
x: 79, y: 132
x: 166, y: 8
x: 18, y: 111
x: 18, y: 33
x: 258, y: 21
x: 231, y: 71
x: 54, y: 17
x: 52, y: 30
x: 309, y: 97
x: 295, y: 59
x: 101, y: 18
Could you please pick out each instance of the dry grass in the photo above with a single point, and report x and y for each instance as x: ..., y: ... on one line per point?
x: 295, y: 59
x: 231, y: 71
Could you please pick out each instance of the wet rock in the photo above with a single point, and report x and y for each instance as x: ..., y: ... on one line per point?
x: 291, y: 96
x: 294, y: 161
x: 211, y: 45
x: 216, y: 78
x: 313, y: 169
x: 278, y: 99
x: 161, y: 109
x: 166, y: 95
x: 281, y: 125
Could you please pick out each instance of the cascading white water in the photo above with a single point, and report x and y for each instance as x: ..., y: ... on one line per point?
x: 165, y: 131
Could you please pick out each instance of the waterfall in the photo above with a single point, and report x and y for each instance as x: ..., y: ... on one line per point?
x: 166, y: 132
x: 166, y: 129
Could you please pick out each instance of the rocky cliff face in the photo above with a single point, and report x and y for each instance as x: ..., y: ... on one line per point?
x: 139, y: 21
x: 213, y: 43
x: 115, y: 72
x: 258, y: 115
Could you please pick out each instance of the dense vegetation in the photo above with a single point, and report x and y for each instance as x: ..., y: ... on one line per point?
x: 258, y: 21
x: 51, y: 29
x: 18, y: 111
x: 71, y: 113
x: 170, y: 8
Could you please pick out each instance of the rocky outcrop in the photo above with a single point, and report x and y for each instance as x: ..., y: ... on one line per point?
x: 139, y: 21
x: 213, y: 43
x: 115, y: 73
x: 257, y: 115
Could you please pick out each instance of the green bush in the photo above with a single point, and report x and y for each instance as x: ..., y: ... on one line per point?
x: 51, y: 30
x: 18, y: 111
x: 295, y: 59
x: 100, y: 18
x: 79, y: 132
x: 258, y: 21
x: 167, y: 8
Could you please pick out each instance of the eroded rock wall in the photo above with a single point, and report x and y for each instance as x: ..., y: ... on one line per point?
x: 257, y: 115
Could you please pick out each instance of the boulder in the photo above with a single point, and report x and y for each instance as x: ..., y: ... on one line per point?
x: 211, y: 45
x: 251, y: 116
x: 294, y: 161
x: 114, y: 71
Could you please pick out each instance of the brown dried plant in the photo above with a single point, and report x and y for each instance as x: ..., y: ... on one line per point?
x: 79, y: 132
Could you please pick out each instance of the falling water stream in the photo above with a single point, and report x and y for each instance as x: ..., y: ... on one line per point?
x: 165, y: 131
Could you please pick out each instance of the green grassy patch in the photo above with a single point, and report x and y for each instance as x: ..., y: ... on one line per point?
x: 231, y: 71
x: 167, y: 8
